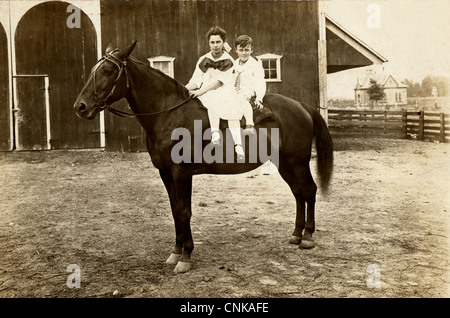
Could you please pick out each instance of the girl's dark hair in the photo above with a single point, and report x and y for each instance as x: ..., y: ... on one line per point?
x: 215, y: 30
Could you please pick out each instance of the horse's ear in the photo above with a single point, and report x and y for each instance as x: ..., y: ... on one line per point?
x: 126, y: 51
x: 109, y: 48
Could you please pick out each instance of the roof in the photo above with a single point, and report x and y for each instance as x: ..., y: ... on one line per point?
x: 346, y: 51
x: 385, y: 80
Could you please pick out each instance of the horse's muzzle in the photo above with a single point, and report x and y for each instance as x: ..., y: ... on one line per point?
x: 80, y: 108
x: 82, y: 111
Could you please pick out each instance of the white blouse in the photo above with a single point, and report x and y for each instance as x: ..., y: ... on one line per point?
x: 223, y: 101
x: 200, y: 77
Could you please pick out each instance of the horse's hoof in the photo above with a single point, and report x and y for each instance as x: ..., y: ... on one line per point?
x: 173, y: 259
x: 182, y: 267
x: 295, y: 240
x: 307, y: 236
x: 306, y: 245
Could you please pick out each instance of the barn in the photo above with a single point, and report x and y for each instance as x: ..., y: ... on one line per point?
x: 47, y: 49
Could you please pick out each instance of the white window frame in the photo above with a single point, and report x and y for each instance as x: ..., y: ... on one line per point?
x: 162, y: 58
x: 277, y: 58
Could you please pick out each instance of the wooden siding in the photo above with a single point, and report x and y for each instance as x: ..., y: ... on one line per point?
x: 5, y: 109
x: 45, y: 45
x: 178, y: 29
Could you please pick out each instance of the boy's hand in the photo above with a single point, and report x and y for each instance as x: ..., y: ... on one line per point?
x: 258, y: 104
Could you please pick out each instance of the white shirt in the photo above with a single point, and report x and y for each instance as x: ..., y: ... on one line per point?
x: 252, y: 80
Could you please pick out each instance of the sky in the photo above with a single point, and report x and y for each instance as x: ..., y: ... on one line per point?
x: 413, y: 35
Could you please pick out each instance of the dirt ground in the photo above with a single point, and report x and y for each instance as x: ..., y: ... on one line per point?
x: 386, y: 217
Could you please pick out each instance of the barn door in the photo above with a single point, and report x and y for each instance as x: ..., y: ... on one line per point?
x: 44, y: 44
x: 31, y: 112
x: 5, y: 109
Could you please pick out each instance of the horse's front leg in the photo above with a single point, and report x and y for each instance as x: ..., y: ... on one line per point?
x: 182, y: 217
x: 179, y: 188
x: 168, y: 181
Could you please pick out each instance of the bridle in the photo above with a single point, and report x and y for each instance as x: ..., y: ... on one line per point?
x: 122, y: 66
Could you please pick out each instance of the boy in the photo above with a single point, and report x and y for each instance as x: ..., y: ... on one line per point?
x: 250, y: 83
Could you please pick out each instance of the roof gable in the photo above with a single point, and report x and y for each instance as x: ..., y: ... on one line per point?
x: 385, y: 81
x: 390, y: 82
x: 346, y: 51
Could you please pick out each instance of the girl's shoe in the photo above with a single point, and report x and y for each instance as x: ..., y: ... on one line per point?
x: 249, y: 130
x: 240, y: 153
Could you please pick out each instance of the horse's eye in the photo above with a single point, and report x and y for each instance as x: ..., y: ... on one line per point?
x: 108, y: 71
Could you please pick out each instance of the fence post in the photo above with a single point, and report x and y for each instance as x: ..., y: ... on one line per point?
x: 442, y: 129
x: 421, y: 132
x: 385, y: 120
x: 405, y: 122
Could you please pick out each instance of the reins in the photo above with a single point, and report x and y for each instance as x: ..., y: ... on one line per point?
x: 125, y: 114
x: 122, y: 66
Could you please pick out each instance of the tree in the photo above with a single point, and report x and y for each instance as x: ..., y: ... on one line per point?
x: 413, y: 89
x: 442, y: 84
x: 425, y: 88
x: 375, y: 91
x: 418, y: 91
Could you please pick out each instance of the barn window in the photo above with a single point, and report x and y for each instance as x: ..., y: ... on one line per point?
x: 271, y: 64
x: 163, y: 63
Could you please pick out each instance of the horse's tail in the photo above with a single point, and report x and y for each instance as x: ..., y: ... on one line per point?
x: 324, y: 147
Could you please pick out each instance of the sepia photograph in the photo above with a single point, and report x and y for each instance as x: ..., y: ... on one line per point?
x: 224, y: 154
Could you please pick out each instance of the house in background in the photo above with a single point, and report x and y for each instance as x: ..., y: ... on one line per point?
x: 395, y: 91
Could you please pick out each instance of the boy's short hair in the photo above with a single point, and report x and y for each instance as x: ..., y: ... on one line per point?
x: 215, y: 30
x: 243, y: 40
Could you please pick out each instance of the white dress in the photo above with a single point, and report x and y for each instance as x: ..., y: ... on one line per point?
x: 223, y: 101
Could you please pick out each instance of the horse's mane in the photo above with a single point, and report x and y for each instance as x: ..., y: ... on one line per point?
x: 181, y: 90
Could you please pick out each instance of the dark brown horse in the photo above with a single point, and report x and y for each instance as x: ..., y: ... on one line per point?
x: 163, y: 106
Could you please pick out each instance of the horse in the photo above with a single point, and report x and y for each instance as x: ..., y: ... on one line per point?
x: 162, y: 105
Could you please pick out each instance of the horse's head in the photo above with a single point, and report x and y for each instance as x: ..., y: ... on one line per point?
x: 107, y: 83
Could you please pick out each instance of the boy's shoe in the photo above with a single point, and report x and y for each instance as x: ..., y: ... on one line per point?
x: 240, y: 153
x: 249, y: 130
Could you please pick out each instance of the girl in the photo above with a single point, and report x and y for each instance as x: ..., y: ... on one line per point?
x: 212, y: 82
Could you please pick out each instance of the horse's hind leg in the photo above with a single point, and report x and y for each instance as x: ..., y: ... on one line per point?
x: 299, y: 178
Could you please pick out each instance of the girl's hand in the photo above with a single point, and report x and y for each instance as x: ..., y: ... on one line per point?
x: 196, y: 93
